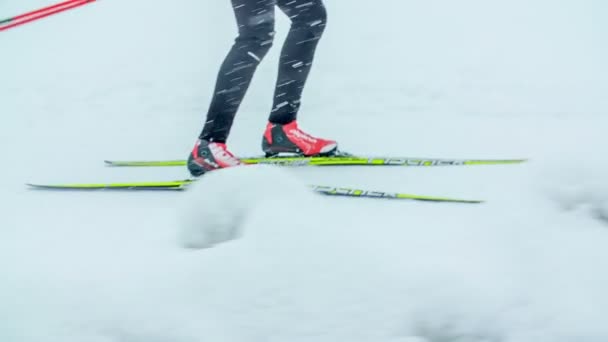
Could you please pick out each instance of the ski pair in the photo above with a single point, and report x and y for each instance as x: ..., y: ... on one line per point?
x: 341, y: 159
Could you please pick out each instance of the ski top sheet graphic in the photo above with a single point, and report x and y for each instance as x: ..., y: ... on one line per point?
x: 330, y: 161
x: 183, y: 184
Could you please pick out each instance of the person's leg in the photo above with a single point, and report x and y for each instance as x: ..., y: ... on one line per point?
x: 282, y: 134
x: 255, y: 20
x: 308, y: 19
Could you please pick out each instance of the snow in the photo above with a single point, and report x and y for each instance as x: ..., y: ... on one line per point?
x: 131, y: 80
x: 217, y: 207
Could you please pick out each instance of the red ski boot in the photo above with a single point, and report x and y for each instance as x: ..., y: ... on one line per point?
x: 208, y: 156
x: 290, y: 139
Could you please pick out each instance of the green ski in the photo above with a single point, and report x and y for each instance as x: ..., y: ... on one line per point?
x: 183, y: 185
x: 341, y: 160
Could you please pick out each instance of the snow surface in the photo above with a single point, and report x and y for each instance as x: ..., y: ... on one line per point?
x: 132, y: 80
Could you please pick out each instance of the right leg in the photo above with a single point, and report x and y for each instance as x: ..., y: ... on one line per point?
x: 255, y: 20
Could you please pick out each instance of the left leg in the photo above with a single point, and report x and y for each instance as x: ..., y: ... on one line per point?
x: 308, y: 19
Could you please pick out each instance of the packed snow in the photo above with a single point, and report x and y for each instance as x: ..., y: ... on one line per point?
x: 249, y: 254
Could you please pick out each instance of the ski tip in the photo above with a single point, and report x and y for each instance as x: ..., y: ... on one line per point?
x: 446, y: 200
x: 518, y: 161
x: 471, y: 201
x: 494, y: 161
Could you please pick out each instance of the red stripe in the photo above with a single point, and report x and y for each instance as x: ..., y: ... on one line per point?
x: 45, y: 12
x: 44, y: 9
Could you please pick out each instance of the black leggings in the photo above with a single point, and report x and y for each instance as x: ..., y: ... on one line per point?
x: 255, y: 20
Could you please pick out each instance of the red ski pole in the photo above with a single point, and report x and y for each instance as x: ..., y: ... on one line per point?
x: 41, y: 13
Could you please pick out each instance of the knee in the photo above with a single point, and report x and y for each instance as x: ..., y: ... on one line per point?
x: 312, y: 19
x: 257, y: 34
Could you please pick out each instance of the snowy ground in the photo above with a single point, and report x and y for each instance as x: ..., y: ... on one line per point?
x: 472, y: 78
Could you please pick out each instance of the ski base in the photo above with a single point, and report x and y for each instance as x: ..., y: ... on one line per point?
x: 181, y: 185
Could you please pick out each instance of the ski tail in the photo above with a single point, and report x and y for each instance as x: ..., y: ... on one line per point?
x: 171, y: 185
x: 144, y: 163
x: 494, y: 161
